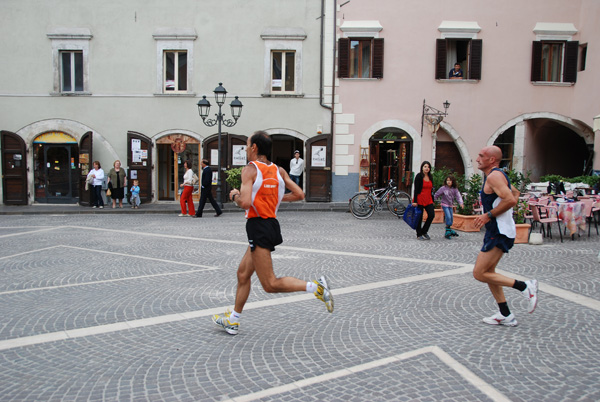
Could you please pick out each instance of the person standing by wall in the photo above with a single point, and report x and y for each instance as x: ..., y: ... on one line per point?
x: 206, y: 191
x: 261, y: 193
x: 498, y: 197
x: 424, y: 199
x: 296, y: 167
x: 135, y: 195
x: 188, y: 187
x: 97, y: 175
x: 117, y: 181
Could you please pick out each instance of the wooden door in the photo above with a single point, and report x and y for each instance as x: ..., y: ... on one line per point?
x: 139, y: 162
x: 14, y: 169
x: 318, y: 168
x: 86, y: 161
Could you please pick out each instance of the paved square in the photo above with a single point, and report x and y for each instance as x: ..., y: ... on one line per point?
x: 117, y: 307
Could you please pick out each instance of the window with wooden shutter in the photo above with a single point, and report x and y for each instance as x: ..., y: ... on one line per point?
x: 378, y: 58
x: 360, y: 58
x: 343, y: 58
x: 536, y: 61
x: 476, y: 52
x: 571, y: 55
x: 440, y: 59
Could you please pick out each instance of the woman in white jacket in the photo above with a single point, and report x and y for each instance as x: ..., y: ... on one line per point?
x: 97, y: 175
x: 188, y: 187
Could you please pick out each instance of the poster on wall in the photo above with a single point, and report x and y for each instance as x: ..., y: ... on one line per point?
x: 214, y: 157
x: 215, y: 178
x: 136, y: 144
x: 319, y: 156
x: 239, y: 155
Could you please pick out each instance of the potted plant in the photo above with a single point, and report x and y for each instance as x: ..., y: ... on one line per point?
x: 519, y: 212
x: 234, y: 177
x: 470, y: 188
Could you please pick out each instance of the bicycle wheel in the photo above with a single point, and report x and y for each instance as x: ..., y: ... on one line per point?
x: 362, y: 205
x: 398, y: 202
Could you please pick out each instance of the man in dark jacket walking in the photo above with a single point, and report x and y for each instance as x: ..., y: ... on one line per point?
x: 206, y: 191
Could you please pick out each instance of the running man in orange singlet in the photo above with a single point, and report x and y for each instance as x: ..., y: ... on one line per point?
x: 262, y: 191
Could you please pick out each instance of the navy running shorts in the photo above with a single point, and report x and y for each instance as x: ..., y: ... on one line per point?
x: 264, y: 233
x: 498, y: 240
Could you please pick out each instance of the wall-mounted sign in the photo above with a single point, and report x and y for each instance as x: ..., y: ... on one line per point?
x: 239, y: 157
x: 319, y: 156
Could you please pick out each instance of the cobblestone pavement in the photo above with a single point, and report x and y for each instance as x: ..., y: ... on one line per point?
x: 117, y: 307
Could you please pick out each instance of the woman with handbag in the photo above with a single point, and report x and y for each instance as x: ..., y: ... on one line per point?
x: 423, y: 199
x: 117, y: 181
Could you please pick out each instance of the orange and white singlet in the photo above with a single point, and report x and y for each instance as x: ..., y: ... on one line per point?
x: 267, y: 191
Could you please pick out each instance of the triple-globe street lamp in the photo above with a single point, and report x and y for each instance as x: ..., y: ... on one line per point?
x: 236, y: 111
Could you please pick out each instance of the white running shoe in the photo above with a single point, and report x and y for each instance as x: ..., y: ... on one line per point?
x: 499, y: 319
x: 531, y: 293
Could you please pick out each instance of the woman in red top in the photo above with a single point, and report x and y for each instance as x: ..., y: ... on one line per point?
x: 424, y: 199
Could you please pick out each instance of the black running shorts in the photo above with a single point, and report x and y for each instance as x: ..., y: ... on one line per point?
x: 264, y: 233
x: 498, y: 240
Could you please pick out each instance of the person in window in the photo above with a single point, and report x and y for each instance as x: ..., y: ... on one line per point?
x: 296, y: 167
x: 456, y: 73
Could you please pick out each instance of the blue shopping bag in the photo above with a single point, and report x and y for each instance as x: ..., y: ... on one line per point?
x: 412, y: 215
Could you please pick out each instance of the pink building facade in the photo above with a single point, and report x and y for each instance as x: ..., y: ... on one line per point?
x: 530, y: 84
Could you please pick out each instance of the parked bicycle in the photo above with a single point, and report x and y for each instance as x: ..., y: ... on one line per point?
x: 363, y: 204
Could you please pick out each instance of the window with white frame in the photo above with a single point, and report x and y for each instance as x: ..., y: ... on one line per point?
x: 283, y: 71
x: 175, y: 69
x: 174, y: 60
x: 283, y: 61
x: 70, y: 55
x: 71, y: 71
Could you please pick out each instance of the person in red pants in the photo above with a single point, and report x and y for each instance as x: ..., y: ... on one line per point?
x: 188, y: 187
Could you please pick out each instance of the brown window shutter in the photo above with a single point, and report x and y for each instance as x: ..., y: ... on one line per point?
x: 343, y: 58
x: 571, y: 55
x: 440, y: 59
x: 378, y: 58
x: 536, y: 61
x: 476, y: 51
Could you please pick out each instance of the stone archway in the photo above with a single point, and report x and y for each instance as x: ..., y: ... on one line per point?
x: 542, y: 145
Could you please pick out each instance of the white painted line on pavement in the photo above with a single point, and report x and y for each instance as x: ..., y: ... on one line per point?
x: 32, y: 231
x: 464, y: 372
x: 91, y: 250
x: 29, y: 252
x: 144, y: 322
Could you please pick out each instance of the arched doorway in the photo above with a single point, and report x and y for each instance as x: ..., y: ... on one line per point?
x: 390, y: 157
x: 283, y: 151
x: 173, y: 150
x: 447, y: 154
x: 56, y: 168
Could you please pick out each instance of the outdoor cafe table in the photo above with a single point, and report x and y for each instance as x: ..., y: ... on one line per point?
x: 572, y: 214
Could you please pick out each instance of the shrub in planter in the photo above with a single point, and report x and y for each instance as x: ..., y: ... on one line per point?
x: 234, y: 177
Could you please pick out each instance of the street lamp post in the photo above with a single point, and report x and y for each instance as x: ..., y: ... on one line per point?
x: 434, y: 117
x: 236, y: 111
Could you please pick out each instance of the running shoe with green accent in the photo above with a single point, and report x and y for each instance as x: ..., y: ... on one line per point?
x: 222, y: 321
x: 323, y: 293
